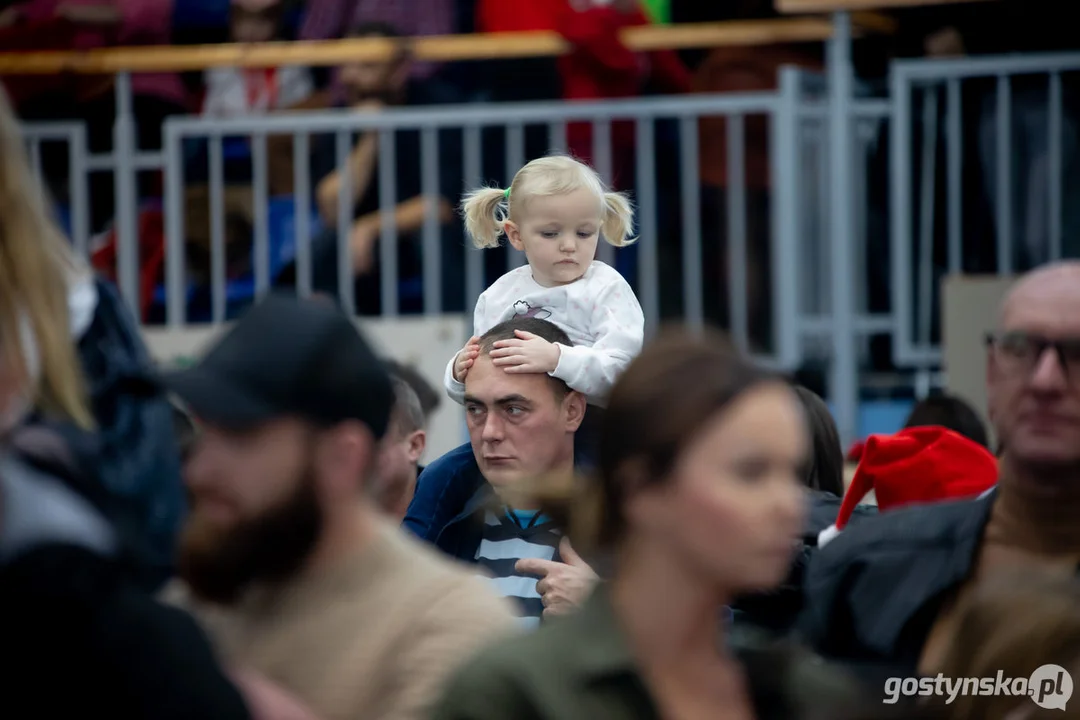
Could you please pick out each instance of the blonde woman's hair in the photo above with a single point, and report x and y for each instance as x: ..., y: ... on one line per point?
x: 486, y: 210
x: 36, y: 267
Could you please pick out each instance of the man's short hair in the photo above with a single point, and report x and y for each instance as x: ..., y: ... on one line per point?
x: 430, y: 399
x: 407, y: 415
x: 950, y: 411
x: 541, y: 328
x: 386, y: 31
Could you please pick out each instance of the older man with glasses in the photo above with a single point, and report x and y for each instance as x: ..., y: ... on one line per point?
x: 886, y: 592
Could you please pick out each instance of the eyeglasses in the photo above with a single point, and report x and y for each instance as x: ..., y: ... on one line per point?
x: 1022, y: 351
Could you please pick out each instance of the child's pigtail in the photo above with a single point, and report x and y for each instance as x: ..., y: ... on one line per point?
x: 618, y: 219
x: 484, y: 216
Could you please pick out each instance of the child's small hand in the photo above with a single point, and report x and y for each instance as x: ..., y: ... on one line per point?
x: 526, y: 354
x: 465, y: 358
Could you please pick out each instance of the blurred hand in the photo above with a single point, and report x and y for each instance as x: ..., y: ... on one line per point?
x: 369, y: 105
x: 266, y: 701
x: 563, y: 586
x: 363, y: 240
x: 945, y: 43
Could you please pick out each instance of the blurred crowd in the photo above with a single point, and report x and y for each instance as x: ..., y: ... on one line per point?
x: 635, y: 529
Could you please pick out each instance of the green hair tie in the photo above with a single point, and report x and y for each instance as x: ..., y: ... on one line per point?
x: 507, y: 194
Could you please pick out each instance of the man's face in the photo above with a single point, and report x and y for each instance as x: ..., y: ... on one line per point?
x: 254, y: 26
x: 1034, y: 401
x: 518, y: 428
x: 255, y: 514
x: 395, y: 477
x: 374, y: 79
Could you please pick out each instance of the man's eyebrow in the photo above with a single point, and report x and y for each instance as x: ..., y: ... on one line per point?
x: 473, y: 401
x: 508, y: 399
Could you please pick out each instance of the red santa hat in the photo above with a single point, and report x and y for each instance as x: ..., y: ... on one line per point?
x: 916, y: 465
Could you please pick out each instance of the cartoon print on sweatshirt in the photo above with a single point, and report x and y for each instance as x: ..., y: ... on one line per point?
x: 522, y: 307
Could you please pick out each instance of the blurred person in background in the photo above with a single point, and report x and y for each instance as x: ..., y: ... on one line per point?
x: 400, y: 452
x: 1015, y: 624
x: 233, y: 92
x: 287, y: 561
x: 699, y: 498
x: 84, y: 493
x: 887, y: 592
x: 430, y: 398
x: 372, y: 86
x: 332, y: 19
x: 111, y: 403
x: 949, y: 411
x: 778, y: 610
x: 83, y: 25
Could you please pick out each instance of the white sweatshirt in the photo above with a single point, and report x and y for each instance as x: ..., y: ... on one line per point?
x: 599, y: 312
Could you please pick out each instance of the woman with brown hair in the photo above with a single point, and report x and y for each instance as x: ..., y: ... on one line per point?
x: 700, y: 497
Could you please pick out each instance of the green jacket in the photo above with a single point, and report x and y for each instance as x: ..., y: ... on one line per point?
x: 581, y: 668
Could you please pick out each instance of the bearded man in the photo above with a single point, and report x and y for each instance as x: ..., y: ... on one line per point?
x: 295, y: 572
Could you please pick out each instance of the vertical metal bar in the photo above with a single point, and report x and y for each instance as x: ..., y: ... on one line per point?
x: 35, y: 167
x: 826, y: 273
x: 124, y: 177
x: 79, y: 184
x: 862, y: 217
x: 261, y: 210
x: 388, y: 239
x: 1055, y: 166
x: 926, y: 215
x: 346, y: 283
x: 175, y: 283
x: 302, y: 205
x: 691, y: 221
x: 954, y: 148
x: 601, y: 148
x: 647, y: 265
x: 474, y: 261
x: 515, y: 158
x: 786, y: 221
x: 844, y: 385
x: 736, y: 232
x: 557, y: 137
x: 218, y: 299
x: 899, y: 202
x: 431, y: 255
x: 1004, y: 176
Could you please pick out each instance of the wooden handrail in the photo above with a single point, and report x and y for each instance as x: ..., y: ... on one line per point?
x: 443, y: 48
x: 794, y: 7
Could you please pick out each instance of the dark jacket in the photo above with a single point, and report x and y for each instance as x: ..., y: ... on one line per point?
x: 86, y: 639
x: 778, y: 611
x: 874, y: 592
x: 136, y: 454
x: 581, y: 668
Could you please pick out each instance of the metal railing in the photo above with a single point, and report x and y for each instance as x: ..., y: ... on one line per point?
x: 822, y: 274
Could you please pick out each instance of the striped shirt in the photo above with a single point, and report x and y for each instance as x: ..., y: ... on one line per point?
x: 511, y: 535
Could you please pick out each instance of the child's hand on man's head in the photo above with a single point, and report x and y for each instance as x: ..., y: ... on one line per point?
x: 527, y: 353
x: 465, y: 358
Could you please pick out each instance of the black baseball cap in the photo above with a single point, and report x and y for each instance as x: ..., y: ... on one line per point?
x: 288, y: 357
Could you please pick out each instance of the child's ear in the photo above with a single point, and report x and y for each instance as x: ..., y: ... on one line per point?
x: 513, y: 234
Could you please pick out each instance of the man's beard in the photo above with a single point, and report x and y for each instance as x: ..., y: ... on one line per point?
x: 219, y: 564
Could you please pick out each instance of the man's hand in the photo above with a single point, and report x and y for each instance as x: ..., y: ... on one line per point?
x: 527, y: 353
x: 267, y: 701
x: 563, y: 586
x: 362, y: 241
x: 465, y: 358
x: 945, y: 43
x: 369, y: 105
